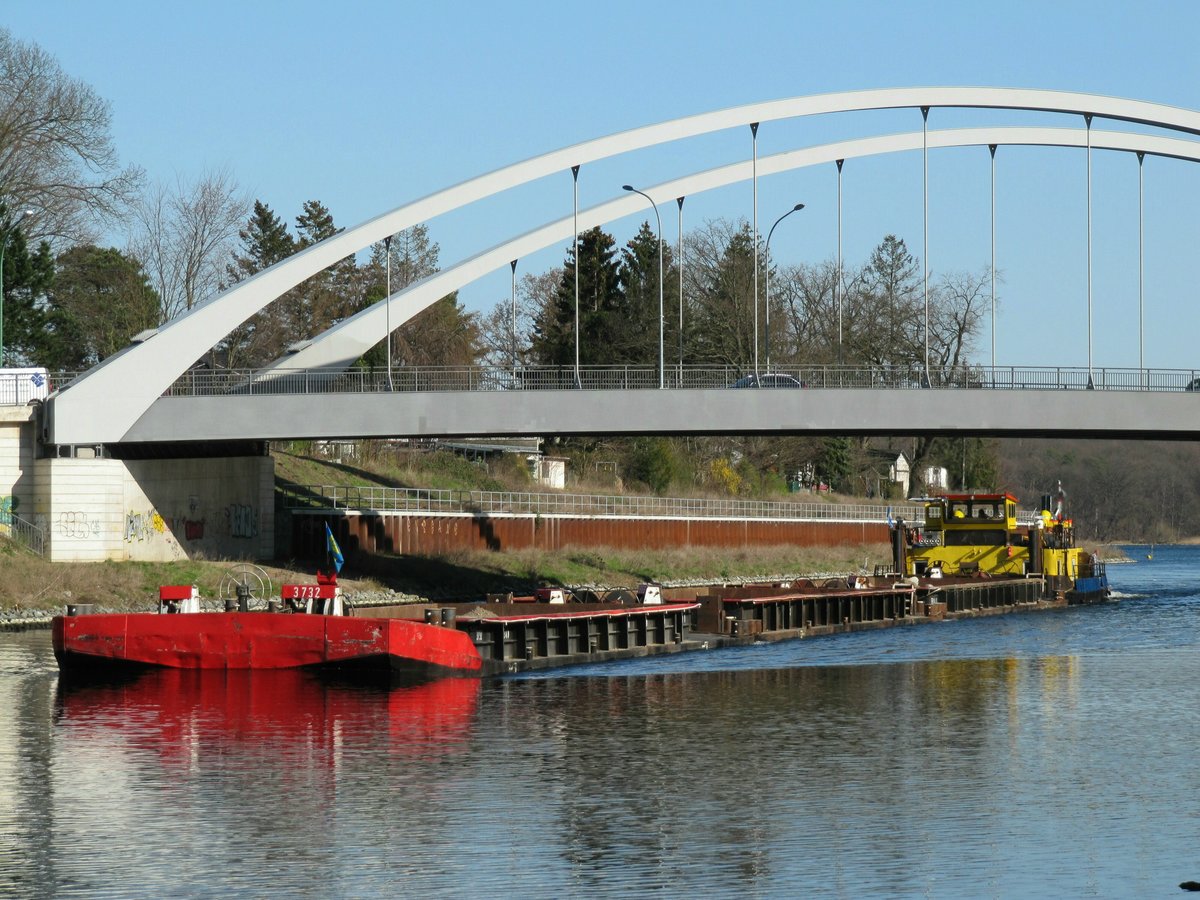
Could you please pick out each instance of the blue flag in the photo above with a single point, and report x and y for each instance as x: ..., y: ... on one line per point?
x: 335, y: 552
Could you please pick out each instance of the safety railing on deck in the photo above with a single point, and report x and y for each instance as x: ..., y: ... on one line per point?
x: 210, y: 382
x: 233, y: 382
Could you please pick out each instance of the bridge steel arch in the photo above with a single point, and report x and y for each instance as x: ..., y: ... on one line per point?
x: 345, y: 342
x: 101, y: 406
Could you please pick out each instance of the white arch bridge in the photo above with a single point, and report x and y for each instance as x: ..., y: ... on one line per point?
x: 146, y: 393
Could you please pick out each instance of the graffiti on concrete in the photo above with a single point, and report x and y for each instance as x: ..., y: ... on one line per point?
x: 143, y: 526
x: 78, y: 525
x: 193, y: 530
x: 242, y: 521
x: 8, y: 506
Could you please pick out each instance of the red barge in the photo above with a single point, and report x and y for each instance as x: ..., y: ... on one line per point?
x: 313, y: 628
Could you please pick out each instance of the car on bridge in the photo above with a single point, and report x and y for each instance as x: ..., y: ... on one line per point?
x: 1193, y: 385
x: 769, y: 380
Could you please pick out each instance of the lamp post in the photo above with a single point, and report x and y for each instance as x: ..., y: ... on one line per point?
x: 754, y: 216
x: 837, y: 284
x: 387, y: 308
x: 679, y: 264
x: 4, y: 243
x: 925, y: 204
x: 992, y: 151
x: 514, y: 315
x: 658, y: 218
x: 575, y: 257
x: 767, y: 286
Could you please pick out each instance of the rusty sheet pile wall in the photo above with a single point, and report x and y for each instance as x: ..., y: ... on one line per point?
x: 433, y: 533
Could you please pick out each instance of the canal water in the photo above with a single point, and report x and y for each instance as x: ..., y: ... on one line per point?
x: 1045, y: 754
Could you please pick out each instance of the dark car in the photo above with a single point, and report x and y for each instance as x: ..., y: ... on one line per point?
x: 1193, y: 385
x: 769, y: 380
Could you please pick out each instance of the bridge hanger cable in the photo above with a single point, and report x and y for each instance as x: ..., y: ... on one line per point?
x: 338, y: 347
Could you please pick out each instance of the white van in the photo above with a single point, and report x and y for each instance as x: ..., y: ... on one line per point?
x: 19, y: 386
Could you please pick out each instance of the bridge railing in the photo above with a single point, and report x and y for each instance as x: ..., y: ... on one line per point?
x: 233, y: 382
x: 385, y: 499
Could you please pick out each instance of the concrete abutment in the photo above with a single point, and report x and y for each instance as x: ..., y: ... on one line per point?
x: 92, y: 508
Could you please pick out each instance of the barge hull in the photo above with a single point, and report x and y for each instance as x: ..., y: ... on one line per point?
x: 258, y: 640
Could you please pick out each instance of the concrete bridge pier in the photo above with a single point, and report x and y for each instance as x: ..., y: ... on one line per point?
x: 160, y: 503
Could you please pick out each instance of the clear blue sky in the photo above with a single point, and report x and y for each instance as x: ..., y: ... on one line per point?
x: 367, y: 105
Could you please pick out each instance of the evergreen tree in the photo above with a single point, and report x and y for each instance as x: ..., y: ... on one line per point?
x: 724, y: 327
x: 888, y: 315
x: 314, y: 224
x: 413, y: 257
x: 328, y: 296
x: 266, y: 335
x: 100, y: 299
x: 27, y: 277
x: 599, y: 297
x: 655, y: 463
x: 633, y: 331
x: 833, y: 463
x: 265, y: 241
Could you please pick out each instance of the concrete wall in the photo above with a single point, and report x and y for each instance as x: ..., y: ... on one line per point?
x: 77, y: 504
x: 16, y: 461
x: 215, y: 508
x: 161, y: 509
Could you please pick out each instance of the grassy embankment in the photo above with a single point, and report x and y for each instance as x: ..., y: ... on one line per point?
x: 28, y: 583
x: 477, y: 572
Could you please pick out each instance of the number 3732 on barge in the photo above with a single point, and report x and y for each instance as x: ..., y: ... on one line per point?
x: 978, y: 536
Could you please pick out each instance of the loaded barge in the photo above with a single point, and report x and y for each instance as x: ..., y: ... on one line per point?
x: 969, y: 557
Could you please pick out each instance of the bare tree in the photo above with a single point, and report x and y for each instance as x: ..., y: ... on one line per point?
x: 501, y: 345
x: 955, y: 318
x: 56, y: 154
x: 804, y: 302
x: 185, y: 237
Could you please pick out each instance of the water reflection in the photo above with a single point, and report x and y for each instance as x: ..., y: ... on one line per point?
x: 1044, y: 755
x: 768, y: 774
x: 292, y: 716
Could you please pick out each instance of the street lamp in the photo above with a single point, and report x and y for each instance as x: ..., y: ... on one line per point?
x: 679, y: 265
x: 387, y: 308
x: 513, y: 264
x: 4, y: 243
x: 658, y: 218
x: 767, y: 254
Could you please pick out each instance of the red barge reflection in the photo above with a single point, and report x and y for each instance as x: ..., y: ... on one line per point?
x: 178, y: 712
